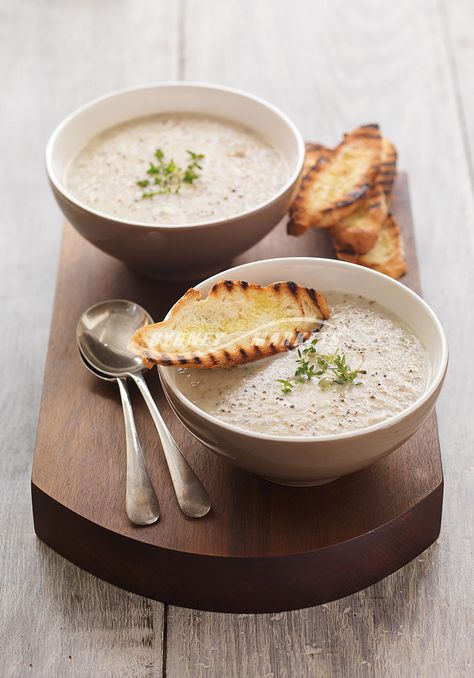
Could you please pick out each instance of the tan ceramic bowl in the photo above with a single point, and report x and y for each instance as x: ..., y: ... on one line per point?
x: 315, y: 460
x: 162, y: 250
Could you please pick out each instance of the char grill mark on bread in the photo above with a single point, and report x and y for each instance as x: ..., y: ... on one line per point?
x: 238, y: 322
x: 359, y: 231
x: 315, y: 153
x: 333, y: 189
x: 359, y: 223
x: 388, y: 169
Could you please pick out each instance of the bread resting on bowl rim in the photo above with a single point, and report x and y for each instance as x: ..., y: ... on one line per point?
x: 238, y: 322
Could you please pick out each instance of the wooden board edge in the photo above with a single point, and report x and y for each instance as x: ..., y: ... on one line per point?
x: 259, y: 585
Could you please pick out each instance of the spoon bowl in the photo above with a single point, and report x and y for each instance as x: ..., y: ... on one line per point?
x: 93, y: 370
x: 103, y: 333
x: 141, y: 504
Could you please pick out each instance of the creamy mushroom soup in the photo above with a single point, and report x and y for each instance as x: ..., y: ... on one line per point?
x: 176, y: 168
x: 365, y: 367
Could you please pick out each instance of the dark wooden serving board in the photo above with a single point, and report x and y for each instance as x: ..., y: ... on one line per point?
x: 263, y: 547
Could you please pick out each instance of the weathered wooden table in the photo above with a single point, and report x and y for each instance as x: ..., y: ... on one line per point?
x: 329, y: 65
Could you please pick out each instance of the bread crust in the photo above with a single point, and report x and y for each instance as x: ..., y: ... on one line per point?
x: 335, y: 187
x: 274, y: 318
x: 313, y: 153
x: 359, y: 231
x: 387, y: 256
x: 388, y: 169
x: 362, y: 229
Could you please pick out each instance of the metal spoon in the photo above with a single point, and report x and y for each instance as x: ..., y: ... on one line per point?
x: 103, y: 334
x: 141, y: 503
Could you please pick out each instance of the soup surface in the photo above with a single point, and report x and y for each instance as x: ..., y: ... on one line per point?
x: 239, y: 169
x: 393, y: 372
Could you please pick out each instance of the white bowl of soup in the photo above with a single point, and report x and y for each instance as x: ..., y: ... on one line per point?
x: 176, y: 178
x: 379, y: 365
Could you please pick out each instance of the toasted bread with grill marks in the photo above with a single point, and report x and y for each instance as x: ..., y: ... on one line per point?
x: 237, y: 323
x: 388, y: 169
x: 387, y: 255
x: 359, y: 231
x: 315, y: 152
x: 331, y: 190
x: 293, y: 228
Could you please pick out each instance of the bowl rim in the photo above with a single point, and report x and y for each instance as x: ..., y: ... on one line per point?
x: 60, y: 186
x: 436, y: 380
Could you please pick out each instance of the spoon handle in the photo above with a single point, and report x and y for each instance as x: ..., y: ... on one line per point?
x: 190, y: 493
x: 141, y: 503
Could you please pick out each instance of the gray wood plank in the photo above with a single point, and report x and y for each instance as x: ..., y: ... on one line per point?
x: 54, y: 619
x: 331, y: 66
x: 458, y: 22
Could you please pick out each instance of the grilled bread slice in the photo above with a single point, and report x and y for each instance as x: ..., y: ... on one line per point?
x: 315, y: 152
x: 388, y: 168
x: 294, y: 228
x: 237, y: 323
x: 331, y: 190
x: 387, y: 255
x: 359, y: 231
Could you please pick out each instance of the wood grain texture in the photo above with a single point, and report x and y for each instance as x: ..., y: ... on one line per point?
x: 458, y: 23
x: 281, y: 547
x: 54, y: 56
x: 331, y: 66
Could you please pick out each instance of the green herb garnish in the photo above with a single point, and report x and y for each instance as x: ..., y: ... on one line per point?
x: 331, y: 369
x: 165, y: 176
x: 305, y: 367
x: 325, y: 384
x: 341, y: 370
x: 286, y: 385
x: 196, y: 157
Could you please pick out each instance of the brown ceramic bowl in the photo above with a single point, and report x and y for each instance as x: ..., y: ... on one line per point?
x: 162, y: 250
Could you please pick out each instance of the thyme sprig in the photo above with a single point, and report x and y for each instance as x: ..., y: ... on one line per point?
x: 286, y: 385
x: 330, y: 369
x: 305, y: 367
x: 165, y: 176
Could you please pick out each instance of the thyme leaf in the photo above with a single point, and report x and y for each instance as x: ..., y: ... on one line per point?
x: 167, y: 176
x: 330, y: 369
x: 286, y: 385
